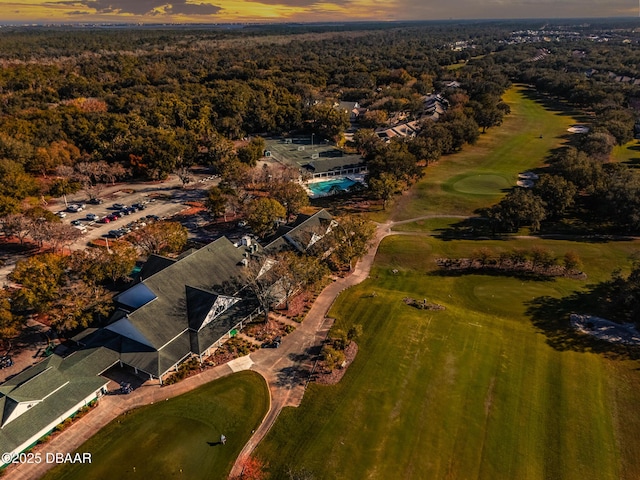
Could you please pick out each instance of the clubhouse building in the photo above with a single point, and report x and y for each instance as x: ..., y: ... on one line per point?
x: 181, y: 308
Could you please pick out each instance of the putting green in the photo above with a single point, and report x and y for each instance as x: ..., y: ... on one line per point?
x: 177, y: 438
x: 482, y: 184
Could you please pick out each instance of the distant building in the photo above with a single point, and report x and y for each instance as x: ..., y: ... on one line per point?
x: 351, y: 108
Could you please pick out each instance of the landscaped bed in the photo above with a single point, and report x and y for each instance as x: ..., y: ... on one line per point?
x: 266, y: 331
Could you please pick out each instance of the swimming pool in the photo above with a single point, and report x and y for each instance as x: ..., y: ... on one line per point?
x: 330, y: 187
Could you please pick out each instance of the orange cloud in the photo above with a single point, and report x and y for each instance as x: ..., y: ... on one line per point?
x: 219, y: 11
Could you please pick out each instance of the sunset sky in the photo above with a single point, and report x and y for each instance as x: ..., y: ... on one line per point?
x: 217, y: 11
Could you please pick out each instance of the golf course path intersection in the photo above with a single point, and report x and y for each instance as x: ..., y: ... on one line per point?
x: 285, y: 369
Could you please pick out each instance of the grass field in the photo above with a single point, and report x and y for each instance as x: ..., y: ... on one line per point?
x: 427, y: 225
x: 627, y: 153
x: 479, y: 175
x: 473, y: 392
x: 495, y: 386
x: 178, y: 438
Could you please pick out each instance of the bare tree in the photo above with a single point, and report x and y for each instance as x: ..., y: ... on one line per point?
x: 62, y: 235
x: 161, y: 237
x: 114, y: 171
x: 259, y: 277
x: 16, y: 225
x: 183, y: 171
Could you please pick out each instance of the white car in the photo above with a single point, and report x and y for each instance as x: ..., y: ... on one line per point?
x: 74, y: 208
x: 61, y: 214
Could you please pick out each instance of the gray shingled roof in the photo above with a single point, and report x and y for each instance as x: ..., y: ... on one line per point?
x: 166, y: 317
x: 155, y: 264
x: 212, y: 332
x: 299, y: 234
x: 199, y: 303
x: 185, y: 292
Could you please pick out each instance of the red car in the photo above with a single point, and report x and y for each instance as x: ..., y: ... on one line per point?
x: 104, y: 220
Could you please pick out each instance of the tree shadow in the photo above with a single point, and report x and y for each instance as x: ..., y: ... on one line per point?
x: 633, y: 162
x: 293, y: 376
x: 308, y: 354
x: 214, y: 444
x: 554, y: 104
x: 472, y: 228
x: 551, y: 315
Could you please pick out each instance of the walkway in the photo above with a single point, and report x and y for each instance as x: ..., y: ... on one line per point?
x: 110, y: 407
x: 286, y: 370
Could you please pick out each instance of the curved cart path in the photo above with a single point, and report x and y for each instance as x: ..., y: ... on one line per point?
x: 286, y: 371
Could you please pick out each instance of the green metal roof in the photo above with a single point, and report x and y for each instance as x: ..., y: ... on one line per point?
x: 56, y: 386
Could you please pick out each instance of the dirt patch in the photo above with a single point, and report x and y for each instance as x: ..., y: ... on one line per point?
x: 423, y: 304
x: 194, y: 208
x: 331, y: 378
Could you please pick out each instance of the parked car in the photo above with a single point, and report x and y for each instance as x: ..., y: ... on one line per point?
x: 242, y: 223
x: 74, y: 208
x: 5, y: 361
x: 116, y: 215
x: 92, y: 216
x: 96, y: 201
x: 61, y: 214
x: 105, y: 219
x: 153, y: 217
x: 138, y: 206
x: 75, y: 223
x: 115, y: 233
x: 118, y: 206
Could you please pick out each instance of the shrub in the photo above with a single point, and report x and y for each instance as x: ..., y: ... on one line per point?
x: 332, y: 357
x: 339, y: 339
x: 355, y: 332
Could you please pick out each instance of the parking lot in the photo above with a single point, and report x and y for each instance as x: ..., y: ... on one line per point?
x: 159, y: 201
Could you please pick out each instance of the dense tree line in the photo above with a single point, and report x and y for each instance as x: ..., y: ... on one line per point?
x: 578, y: 191
x: 147, y: 102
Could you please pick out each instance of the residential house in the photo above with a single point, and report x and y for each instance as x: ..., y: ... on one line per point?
x: 351, y: 108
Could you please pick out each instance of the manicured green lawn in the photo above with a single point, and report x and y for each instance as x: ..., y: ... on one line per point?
x: 177, y: 438
x: 427, y: 225
x: 628, y: 153
x: 479, y: 175
x: 472, y: 392
x: 491, y: 388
